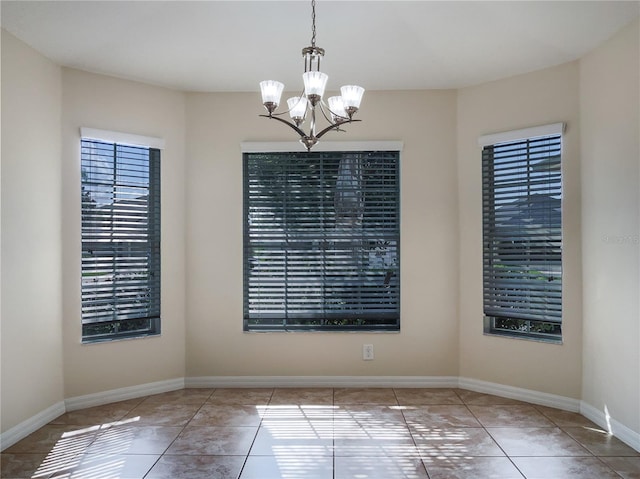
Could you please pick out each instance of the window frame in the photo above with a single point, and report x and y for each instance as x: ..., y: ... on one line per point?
x: 501, y: 323
x: 324, y: 147
x: 124, y: 145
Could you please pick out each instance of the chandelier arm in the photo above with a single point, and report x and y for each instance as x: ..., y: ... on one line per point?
x: 288, y: 123
x: 312, y: 125
x: 273, y: 113
x: 333, y: 126
x: 343, y: 119
x: 324, y: 113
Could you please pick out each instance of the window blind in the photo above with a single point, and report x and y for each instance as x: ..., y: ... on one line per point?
x: 321, y: 241
x: 522, y: 233
x: 120, y: 240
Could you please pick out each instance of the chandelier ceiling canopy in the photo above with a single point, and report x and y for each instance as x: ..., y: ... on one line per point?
x: 310, y: 105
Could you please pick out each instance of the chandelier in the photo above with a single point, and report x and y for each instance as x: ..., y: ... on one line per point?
x: 310, y: 104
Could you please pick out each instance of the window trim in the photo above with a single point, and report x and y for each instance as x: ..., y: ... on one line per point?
x: 514, y: 136
x: 122, y: 138
x: 521, y: 134
x: 323, y: 146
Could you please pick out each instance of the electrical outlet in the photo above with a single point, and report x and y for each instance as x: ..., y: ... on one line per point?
x: 367, y: 352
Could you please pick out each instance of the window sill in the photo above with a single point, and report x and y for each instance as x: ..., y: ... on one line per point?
x: 323, y: 331
x: 524, y: 336
x: 102, y: 340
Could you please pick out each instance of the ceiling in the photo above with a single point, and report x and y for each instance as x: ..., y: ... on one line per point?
x: 381, y: 45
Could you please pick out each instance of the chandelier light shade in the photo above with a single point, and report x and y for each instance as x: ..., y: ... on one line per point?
x: 271, y: 93
x: 310, y: 105
x: 314, y: 85
x: 297, y: 108
x: 336, y: 106
x: 351, y: 97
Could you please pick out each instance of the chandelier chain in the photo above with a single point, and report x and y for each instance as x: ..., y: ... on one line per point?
x: 313, y: 23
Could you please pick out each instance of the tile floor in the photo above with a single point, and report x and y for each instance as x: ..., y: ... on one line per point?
x: 320, y: 433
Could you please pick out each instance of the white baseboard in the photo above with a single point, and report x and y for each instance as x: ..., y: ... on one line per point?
x: 625, y: 434
x: 619, y: 430
x: 122, y: 394
x: 528, y: 395
x: 22, y: 430
x: 322, y: 381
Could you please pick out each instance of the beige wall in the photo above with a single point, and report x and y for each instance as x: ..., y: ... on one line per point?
x: 106, y: 103
x: 31, y: 237
x: 610, y: 132
x: 44, y: 107
x: 427, y: 344
x: 547, y: 96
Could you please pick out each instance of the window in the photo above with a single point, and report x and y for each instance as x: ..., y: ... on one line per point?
x: 321, y: 241
x: 120, y: 240
x: 522, y: 233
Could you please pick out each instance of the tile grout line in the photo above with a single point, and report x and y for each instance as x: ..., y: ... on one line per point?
x: 562, y: 428
x: 554, y: 423
x: 413, y: 439
x: 178, y: 435
x: 599, y: 458
x: 333, y: 433
x: 246, y: 457
x: 492, y: 438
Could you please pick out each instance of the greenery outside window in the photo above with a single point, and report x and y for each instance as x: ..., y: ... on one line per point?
x: 522, y: 233
x: 120, y: 239
x: 321, y: 241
